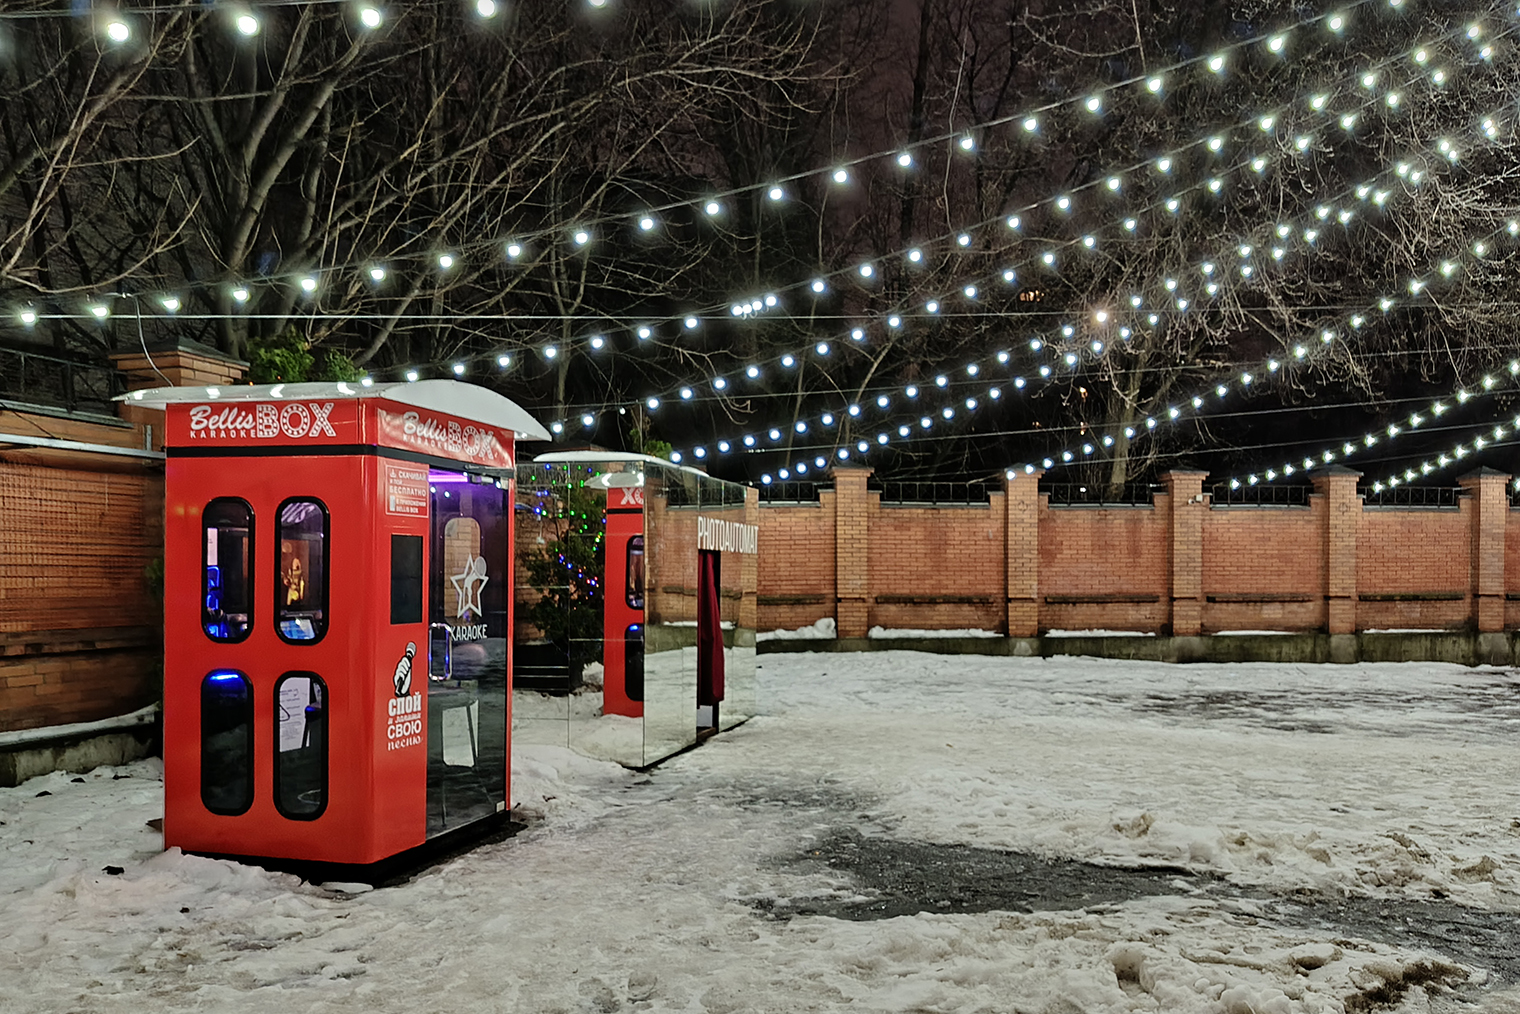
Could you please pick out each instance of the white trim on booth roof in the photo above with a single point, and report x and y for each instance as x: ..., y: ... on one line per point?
x: 466, y: 401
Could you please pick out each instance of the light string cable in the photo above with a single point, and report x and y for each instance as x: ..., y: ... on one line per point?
x: 309, y: 282
x: 1063, y: 201
x: 1365, y: 192
x: 1489, y: 129
x: 1418, y: 286
x: 114, y: 24
x: 1239, y: 414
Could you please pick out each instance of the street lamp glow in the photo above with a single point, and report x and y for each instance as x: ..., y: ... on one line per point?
x: 370, y: 17
x: 247, y: 25
x: 118, y: 32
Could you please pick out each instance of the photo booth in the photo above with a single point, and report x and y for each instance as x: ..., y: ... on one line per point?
x: 338, y: 586
x: 637, y: 576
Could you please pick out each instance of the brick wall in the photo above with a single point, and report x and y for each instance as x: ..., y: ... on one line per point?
x: 936, y: 568
x: 796, y: 564
x: 81, y: 625
x: 1103, y: 568
x: 80, y: 634
x: 1179, y: 565
x: 1264, y: 569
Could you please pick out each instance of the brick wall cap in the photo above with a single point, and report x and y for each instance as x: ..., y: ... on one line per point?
x: 837, y: 469
x: 1186, y: 471
x: 1482, y: 473
x: 1337, y: 470
x: 189, y: 346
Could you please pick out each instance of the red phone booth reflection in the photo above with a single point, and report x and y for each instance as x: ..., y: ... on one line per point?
x: 337, y: 643
x: 623, y: 617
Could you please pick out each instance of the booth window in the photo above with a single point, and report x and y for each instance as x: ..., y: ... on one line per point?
x: 633, y: 662
x: 635, y: 569
x: 300, y: 609
x: 226, y: 577
x: 300, y: 749
x: 226, y: 743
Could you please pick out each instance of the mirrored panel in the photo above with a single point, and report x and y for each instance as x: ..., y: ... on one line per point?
x: 671, y: 502
x: 636, y: 606
x: 579, y: 623
x: 728, y: 543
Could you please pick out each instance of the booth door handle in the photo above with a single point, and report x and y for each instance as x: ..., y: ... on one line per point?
x: 448, y: 652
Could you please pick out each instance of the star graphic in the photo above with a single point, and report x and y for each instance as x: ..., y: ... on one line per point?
x: 468, y: 585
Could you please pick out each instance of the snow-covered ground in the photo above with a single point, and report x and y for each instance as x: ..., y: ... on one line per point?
x: 651, y: 891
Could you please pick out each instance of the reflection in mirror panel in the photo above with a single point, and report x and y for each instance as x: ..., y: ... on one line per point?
x: 615, y: 622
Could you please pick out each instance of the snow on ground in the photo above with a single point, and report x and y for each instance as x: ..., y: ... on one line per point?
x: 888, y: 632
x: 822, y: 630
x: 649, y: 891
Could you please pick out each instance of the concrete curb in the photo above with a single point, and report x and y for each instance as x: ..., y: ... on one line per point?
x: 1455, y: 646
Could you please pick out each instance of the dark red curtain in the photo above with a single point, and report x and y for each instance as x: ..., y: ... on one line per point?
x: 709, y: 627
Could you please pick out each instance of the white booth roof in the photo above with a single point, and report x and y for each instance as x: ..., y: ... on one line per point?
x: 465, y: 401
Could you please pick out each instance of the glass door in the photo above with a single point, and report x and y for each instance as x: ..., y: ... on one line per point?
x: 469, y: 624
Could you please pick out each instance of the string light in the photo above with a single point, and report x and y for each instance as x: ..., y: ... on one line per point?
x: 515, y: 249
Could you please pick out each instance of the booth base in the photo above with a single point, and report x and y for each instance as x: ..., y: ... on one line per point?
x: 396, y: 869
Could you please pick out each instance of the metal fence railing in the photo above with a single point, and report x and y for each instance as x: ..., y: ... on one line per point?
x: 1090, y: 494
x: 1261, y: 494
x: 55, y: 382
x: 1414, y: 497
x: 936, y: 494
x: 792, y: 492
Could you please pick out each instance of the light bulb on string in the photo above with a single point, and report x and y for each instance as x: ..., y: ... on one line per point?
x: 1311, y: 237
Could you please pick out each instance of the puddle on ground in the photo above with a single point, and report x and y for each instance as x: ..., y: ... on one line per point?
x: 905, y: 877
x: 1491, y: 709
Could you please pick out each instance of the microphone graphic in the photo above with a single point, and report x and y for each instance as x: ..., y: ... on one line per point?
x: 403, y: 677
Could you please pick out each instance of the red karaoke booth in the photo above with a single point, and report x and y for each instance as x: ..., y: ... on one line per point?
x: 338, y: 586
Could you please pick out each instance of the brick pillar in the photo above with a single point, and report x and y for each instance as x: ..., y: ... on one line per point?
x: 1022, y: 507
x: 1488, y: 489
x: 184, y: 363
x: 1337, y: 484
x: 1187, y: 504
x: 852, y: 608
